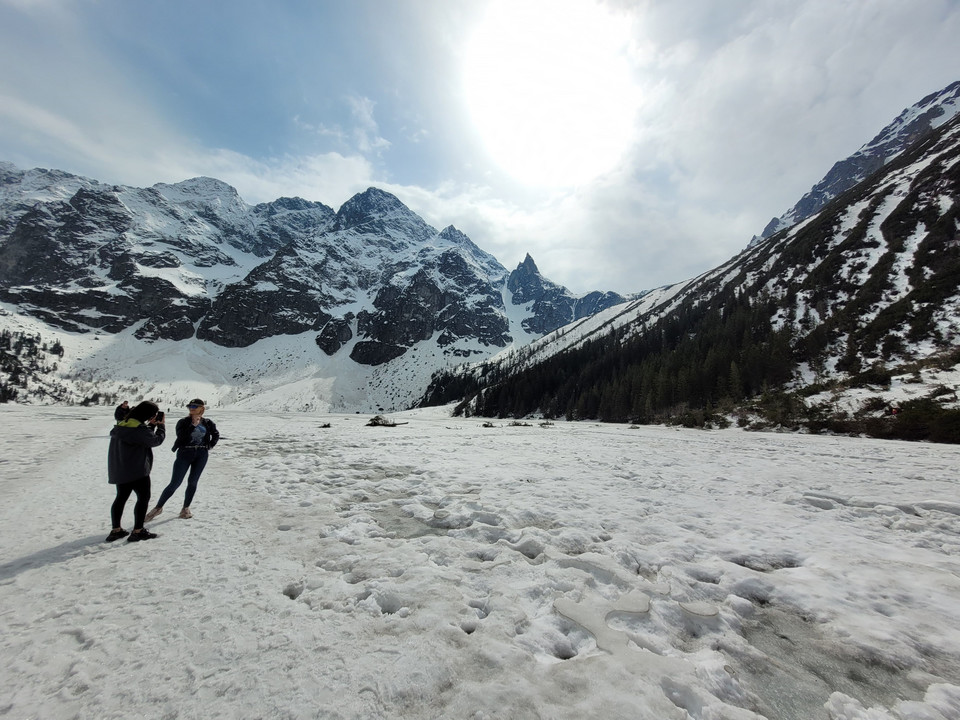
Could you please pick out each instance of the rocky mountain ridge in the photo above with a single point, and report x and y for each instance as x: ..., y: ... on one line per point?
x: 912, y: 124
x: 192, y: 262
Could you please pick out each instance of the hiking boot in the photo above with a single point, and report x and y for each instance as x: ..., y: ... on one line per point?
x: 138, y: 535
x: 116, y: 535
x: 186, y: 514
x: 153, y: 513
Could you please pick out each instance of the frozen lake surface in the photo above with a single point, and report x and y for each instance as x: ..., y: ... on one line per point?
x: 441, y: 569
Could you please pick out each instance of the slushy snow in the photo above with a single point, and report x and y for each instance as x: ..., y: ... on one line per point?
x: 443, y: 569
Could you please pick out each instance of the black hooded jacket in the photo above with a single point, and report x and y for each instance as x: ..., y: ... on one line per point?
x: 184, y: 432
x: 130, y: 456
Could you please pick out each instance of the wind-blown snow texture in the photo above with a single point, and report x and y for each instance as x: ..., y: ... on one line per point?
x: 443, y: 569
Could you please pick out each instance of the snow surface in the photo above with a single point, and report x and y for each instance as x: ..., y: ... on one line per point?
x: 283, y: 373
x: 443, y: 569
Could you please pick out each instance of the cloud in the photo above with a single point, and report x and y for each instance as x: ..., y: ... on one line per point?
x: 783, y: 90
x: 142, y: 159
x: 30, y: 124
x: 560, y: 231
x: 744, y: 106
x: 335, y: 131
x: 366, y: 133
x: 330, y: 178
x: 363, y: 136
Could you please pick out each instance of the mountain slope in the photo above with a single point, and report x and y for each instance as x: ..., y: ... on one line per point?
x: 868, y: 288
x: 81, y: 255
x: 912, y: 124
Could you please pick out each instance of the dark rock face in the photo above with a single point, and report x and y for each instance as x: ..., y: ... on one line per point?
x: 446, y: 299
x: 244, y: 314
x: 372, y: 352
x: 192, y: 260
x: 278, y: 297
x: 335, y: 334
x: 552, y: 305
x: 404, y: 315
x: 84, y: 255
x: 286, y: 220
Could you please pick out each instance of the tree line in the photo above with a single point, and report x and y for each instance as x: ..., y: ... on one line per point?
x: 22, y: 358
x: 702, y: 355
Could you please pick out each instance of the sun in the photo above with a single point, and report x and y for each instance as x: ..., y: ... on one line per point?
x: 549, y: 87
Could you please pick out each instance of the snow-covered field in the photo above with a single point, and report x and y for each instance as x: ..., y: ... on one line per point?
x: 441, y: 569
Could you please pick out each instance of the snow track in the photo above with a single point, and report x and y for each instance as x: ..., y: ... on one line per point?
x: 443, y: 569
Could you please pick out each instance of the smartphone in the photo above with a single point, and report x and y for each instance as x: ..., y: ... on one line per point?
x: 160, y: 417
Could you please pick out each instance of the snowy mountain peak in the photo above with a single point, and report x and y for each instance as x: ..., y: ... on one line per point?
x: 289, y: 204
x: 374, y: 201
x: 459, y: 240
x: 200, y: 192
x: 528, y: 265
x: 935, y: 109
x: 526, y: 283
x: 376, y: 211
x: 919, y: 119
x: 27, y: 187
x: 551, y: 304
x: 454, y: 236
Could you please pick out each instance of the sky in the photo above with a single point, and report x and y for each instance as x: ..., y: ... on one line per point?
x: 623, y: 145
x: 443, y: 569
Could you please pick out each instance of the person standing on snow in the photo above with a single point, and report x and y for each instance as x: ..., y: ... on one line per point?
x: 121, y: 412
x: 129, y: 461
x: 196, y: 435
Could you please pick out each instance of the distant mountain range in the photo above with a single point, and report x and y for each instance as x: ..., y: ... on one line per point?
x: 850, y: 308
x: 191, y: 261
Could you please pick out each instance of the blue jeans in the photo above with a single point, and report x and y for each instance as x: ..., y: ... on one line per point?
x: 192, y: 459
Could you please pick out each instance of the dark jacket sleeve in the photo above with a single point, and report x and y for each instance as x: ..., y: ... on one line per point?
x: 151, y: 438
x: 213, y: 435
x: 182, y: 431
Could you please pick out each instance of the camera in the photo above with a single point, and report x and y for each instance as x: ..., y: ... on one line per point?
x: 159, y: 418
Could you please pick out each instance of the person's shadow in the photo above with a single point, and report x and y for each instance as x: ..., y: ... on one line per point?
x: 50, y: 556
x: 60, y: 553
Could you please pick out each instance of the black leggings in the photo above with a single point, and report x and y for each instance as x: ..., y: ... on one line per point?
x: 142, y: 488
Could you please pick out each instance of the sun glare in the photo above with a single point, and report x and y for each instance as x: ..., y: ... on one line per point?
x: 549, y: 88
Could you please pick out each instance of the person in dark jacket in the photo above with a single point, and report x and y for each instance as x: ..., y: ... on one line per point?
x: 196, y: 435
x: 121, y: 412
x: 129, y: 461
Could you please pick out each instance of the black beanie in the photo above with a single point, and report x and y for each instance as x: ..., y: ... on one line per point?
x: 144, y: 411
